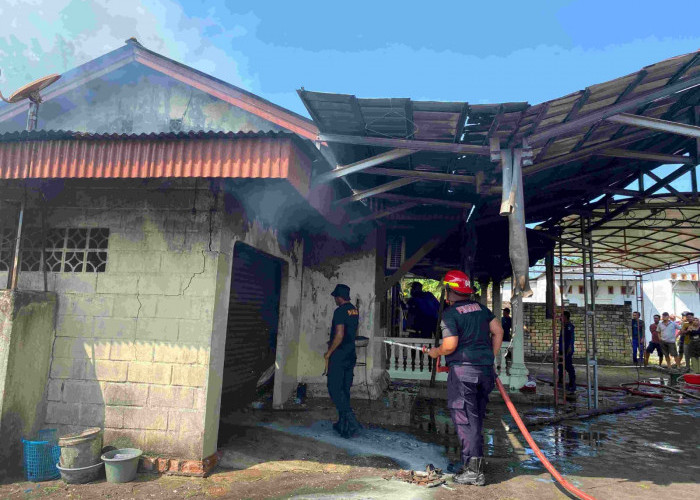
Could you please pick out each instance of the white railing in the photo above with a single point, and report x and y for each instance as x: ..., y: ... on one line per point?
x: 410, y: 364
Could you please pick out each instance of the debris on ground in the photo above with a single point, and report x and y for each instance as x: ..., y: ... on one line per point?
x: 431, y: 477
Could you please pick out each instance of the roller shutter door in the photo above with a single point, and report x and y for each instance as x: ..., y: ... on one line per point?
x: 253, y: 317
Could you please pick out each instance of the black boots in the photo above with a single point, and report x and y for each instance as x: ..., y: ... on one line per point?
x: 474, y: 473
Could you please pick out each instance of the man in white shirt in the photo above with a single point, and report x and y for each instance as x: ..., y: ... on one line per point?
x: 667, y: 331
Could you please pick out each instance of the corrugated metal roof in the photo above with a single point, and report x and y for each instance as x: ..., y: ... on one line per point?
x: 66, y: 154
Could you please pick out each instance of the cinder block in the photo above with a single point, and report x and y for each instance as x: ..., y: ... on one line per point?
x: 171, y: 397
x: 183, y: 262
x: 78, y: 391
x: 116, y: 283
x: 129, y: 239
x: 200, y: 398
x: 189, y: 375
x: 62, y: 413
x: 123, y: 351
x: 55, y: 390
x: 176, y: 353
x: 126, y: 394
x: 75, y: 282
x: 160, y: 284
x: 89, y: 305
x: 62, y: 368
x: 143, y: 351
x: 199, y: 286
x: 125, y: 438
x: 194, y: 330
x: 178, y: 307
x: 186, y: 421
x: 152, y: 373
x: 115, y: 328
x: 106, y: 371
x: 134, y: 262
x: 92, y: 415
x: 74, y: 326
x: 157, y: 329
x: 145, y: 418
x: 114, y: 418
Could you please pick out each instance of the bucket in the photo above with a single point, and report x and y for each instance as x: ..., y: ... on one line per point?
x: 81, y: 450
x: 121, y: 465
x: 80, y: 475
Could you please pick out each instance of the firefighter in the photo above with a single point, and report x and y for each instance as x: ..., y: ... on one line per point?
x: 471, y: 339
x: 341, y: 358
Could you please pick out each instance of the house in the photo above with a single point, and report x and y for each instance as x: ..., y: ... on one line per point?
x: 172, y: 250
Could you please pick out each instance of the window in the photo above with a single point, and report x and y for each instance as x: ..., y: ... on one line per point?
x: 623, y: 290
x: 611, y: 290
x: 67, y: 250
x: 580, y: 289
x: 570, y: 289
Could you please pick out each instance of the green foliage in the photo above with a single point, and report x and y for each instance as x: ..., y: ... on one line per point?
x: 432, y: 286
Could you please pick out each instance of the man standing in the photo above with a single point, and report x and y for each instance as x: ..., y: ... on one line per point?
x: 471, y: 338
x: 655, y: 344
x: 637, y: 337
x: 566, y: 349
x: 667, y: 331
x: 686, y: 324
x: 340, y: 360
x: 507, y: 325
x: 423, y: 310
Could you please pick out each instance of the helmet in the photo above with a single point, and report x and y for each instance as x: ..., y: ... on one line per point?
x: 458, y: 282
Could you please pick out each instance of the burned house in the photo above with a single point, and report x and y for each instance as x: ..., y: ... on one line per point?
x: 172, y: 250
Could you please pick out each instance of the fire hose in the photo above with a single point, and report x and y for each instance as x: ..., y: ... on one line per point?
x: 514, y: 413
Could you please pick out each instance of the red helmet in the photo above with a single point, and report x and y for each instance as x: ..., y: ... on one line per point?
x: 458, y: 282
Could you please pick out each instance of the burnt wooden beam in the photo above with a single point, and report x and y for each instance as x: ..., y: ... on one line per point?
x: 648, y: 156
x: 423, y: 201
x: 409, y: 263
x: 342, y: 171
x: 386, y: 142
x: 656, y: 124
x: 384, y: 213
x: 615, y: 109
x: 422, y: 175
x: 361, y: 195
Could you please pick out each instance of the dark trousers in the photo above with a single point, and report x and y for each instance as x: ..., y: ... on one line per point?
x: 340, y: 374
x: 468, y: 389
x: 636, y: 349
x: 570, y: 371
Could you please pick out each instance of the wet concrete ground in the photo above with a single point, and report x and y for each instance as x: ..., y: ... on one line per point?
x: 646, y: 453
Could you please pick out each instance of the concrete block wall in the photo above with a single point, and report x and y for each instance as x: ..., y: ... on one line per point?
x: 612, y: 332
x: 132, y: 344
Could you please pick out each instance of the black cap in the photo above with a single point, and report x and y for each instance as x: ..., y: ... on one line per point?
x: 342, y: 291
x: 505, y: 309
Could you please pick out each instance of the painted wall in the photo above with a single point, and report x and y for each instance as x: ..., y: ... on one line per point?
x: 26, y: 337
x: 603, y: 296
x: 662, y: 294
x: 136, y: 99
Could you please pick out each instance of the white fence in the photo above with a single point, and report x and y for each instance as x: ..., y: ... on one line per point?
x: 409, y: 364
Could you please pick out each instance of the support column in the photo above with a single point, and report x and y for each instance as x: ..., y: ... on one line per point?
x: 513, y: 206
x: 484, y: 285
x: 497, y: 302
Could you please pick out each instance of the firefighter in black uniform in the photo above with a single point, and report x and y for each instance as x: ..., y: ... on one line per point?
x: 471, y: 338
x: 341, y: 358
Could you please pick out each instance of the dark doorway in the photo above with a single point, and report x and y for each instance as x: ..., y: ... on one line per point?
x: 253, y: 319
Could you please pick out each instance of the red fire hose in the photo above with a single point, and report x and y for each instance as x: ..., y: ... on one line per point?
x: 565, y: 484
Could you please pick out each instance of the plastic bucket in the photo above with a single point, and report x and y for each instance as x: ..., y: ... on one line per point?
x: 81, y: 475
x: 81, y: 450
x: 121, y: 465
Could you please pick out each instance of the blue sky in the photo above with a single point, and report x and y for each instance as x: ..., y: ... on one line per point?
x: 475, y: 51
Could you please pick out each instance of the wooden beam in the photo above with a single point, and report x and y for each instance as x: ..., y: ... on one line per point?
x: 361, y: 195
x: 656, y: 124
x: 422, y: 175
x: 384, y: 213
x: 409, y: 263
x: 584, y: 152
x: 615, y: 109
x: 647, y: 156
x: 342, y: 171
x: 424, y: 201
x: 387, y: 142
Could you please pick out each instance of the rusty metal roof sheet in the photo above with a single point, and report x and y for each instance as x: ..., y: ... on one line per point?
x: 66, y: 154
